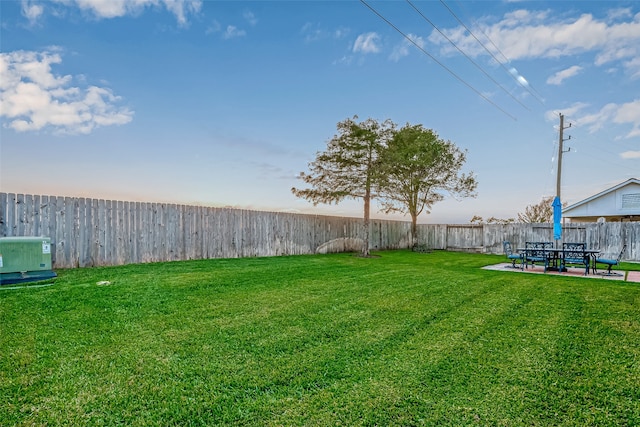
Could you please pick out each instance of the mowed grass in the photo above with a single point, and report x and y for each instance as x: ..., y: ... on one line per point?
x: 401, y: 339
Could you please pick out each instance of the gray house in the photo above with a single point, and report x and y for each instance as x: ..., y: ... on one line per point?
x: 617, y: 204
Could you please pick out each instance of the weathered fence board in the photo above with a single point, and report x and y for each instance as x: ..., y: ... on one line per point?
x: 465, y: 237
x: 91, y: 232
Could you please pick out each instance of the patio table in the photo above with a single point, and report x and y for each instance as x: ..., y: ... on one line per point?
x: 556, y: 256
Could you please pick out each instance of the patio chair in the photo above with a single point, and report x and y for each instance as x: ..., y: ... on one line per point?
x: 512, y: 256
x: 574, y: 253
x: 609, y: 263
x: 536, y: 252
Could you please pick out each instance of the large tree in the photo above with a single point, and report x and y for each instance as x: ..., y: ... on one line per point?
x: 477, y: 219
x: 540, y: 212
x: 418, y: 170
x: 348, y: 168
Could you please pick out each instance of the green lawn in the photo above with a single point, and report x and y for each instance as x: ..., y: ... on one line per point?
x: 401, y: 339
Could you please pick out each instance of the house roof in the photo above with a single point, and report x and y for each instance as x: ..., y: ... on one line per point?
x: 602, y: 193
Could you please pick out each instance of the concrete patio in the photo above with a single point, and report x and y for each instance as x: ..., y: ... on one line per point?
x: 628, y: 276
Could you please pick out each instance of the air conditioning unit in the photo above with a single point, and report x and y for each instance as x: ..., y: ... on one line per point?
x: 25, y: 259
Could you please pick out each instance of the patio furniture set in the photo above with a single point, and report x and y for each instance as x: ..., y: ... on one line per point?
x: 559, y: 258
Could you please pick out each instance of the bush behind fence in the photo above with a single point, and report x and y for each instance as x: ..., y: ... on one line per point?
x: 91, y: 232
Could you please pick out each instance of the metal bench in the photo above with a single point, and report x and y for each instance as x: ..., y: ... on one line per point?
x: 537, y: 252
x: 575, y: 254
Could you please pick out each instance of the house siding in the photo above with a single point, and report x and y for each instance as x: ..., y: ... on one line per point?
x: 620, y: 203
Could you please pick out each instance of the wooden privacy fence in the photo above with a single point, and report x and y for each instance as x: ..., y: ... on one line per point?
x: 92, y: 232
x: 608, y: 237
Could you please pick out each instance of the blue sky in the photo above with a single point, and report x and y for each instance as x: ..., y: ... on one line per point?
x: 223, y: 103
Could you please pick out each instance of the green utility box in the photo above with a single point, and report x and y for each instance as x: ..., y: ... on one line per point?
x: 25, y: 259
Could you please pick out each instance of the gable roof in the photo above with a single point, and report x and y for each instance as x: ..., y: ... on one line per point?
x: 602, y: 193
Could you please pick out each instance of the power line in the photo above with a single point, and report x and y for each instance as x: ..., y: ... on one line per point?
x: 615, y: 144
x: 490, y: 41
x: 609, y: 158
x: 491, y: 53
x: 606, y: 159
x: 466, y: 56
x: 436, y: 61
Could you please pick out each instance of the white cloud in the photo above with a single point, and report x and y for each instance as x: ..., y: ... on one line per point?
x: 622, y: 114
x: 182, y: 8
x: 633, y: 66
x: 560, y: 76
x: 344, y: 60
x: 629, y: 113
x: 341, y: 32
x: 314, y: 32
x: 630, y: 155
x: 232, y: 32
x: 213, y: 28
x: 32, y: 11
x: 401, y: 50
x: 598, y: 120
x: 33, y: 98
x: 367, y: 43
x: 250, y: 17
x: 524, y: 34
x: 575, y: 109
x: 619, y: 13
x: 117, y: 8
x: 106, y: 8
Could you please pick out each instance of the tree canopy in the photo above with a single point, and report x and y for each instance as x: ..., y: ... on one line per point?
x: 418, y: 169
x: 407, y: 169
x: 541, y: 212
x: 348, y: 168
x: 477, y: 219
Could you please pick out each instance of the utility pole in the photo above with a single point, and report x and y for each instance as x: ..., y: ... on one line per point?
x: 560, y: 151
x: 557, y: 204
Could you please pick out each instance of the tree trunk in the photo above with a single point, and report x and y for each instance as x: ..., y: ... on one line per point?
x: 365, y: 224
x: 414, y: 229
